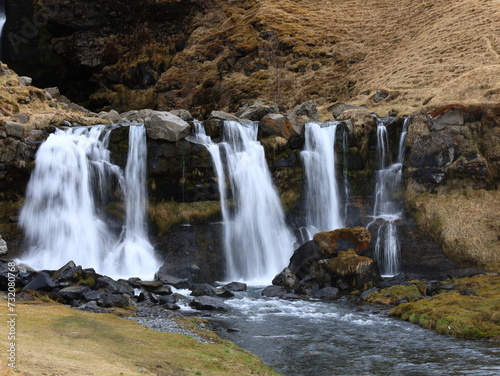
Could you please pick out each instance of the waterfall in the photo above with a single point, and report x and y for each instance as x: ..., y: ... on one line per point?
x: 134, y: 254
x: 3, y: 19
x: 257, y: 242
x: 64, y: 219
x: 322, y: 196
x: 388, y: 208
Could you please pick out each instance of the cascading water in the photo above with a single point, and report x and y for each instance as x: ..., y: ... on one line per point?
x: 3, y: 19
x: 257, y: 242
x: 322, y: 196
x: 134, y: 254
x: 61, y: 218
x: 387, y: 208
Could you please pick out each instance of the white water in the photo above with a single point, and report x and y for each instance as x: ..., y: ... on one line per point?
x: 388, y: 208
x: 63, y: 217
x: 257, y: 242
x: 134, y: 255
x: 322, y: 196
x: 3, y: 19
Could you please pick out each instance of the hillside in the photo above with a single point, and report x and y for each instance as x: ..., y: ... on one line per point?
x: 205, y: 55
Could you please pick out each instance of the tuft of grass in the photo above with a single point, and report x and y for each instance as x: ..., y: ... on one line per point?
x: 412, y: 291
x: 463, y: 316
x: 166, y: 214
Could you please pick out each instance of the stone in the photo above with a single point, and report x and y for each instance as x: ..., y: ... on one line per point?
x: 303, y: 258
x: 183, y: 114
x: 339, y: 108
x: 276, y: 125
x: 94, y: 295
x: 8, y: 149
x: 42, y: 282
x: 3, y: 246
x: 115, y: 300
x: 111, y: 116
x: 166, y: 299
x: 274, y: 291
x: 287, y: 279
x: 166, y: 126
x: 207, y: 303
x: 235, y: 286
x: 364, y: 294
x: 73, y: 292
x: 22, y: 118
x: 445, y: 117
x: 379, y: 96
x: 25, y: 81
x: 69, y: 265
x: 114, y: 287
x: 309, y: 109
x: 330, y: 242
x: 53, y: 92
x: 202, y: 289
x: 222, y: 116
x: 256, y: 110
x: 327, y: 293
x: 14, y: 129
x: 179, y: 283
x: 73, y: 275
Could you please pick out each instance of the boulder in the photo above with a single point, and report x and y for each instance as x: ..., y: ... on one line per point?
x: 446, y: 116
x: 379, y: 96
x: 73, y: 292
x: 3, y: 246
x: 309, y: 109
x: 162, y: 125
x: 256, y: 110
x: 114, y: 287
x: 287, y: 279
x: 183, y: 114
x: 327, y: 293
x: 42, y: 282
x: 276, y: 125
x: 202, y: 289
x: 354, y: 269
x: 357, y: 238
x: 235, y: 286
x: 111, y: 116
x: 115, y: 300
x: 339, y: 108
x: 14, y: 129
x: 274, y: 291
x: 221, y: 116
x: 207, y: 303
x: 303, y: 258
x: 69, y: 265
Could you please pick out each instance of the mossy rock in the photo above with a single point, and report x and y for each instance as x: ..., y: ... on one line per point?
x: 349, y: 263
x: 357, y: 238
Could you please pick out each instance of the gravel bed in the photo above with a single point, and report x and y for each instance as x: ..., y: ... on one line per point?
x: 162, y: 321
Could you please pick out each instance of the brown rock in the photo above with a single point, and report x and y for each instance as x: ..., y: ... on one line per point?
x: 357, y: 238
x: 276, y: 125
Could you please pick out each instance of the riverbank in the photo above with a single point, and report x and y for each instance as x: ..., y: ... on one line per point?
x: 53, y: 339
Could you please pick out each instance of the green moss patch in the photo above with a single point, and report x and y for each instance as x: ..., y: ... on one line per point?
x: 471, y: 311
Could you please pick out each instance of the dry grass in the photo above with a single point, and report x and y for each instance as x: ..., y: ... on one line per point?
x: 466, y: 223
x: 419, y: 51
x: 166, y: 214
x: 56, y: 340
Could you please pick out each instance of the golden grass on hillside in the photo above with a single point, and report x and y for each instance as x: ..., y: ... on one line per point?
x: 53, y: 339
x: 466, y: 223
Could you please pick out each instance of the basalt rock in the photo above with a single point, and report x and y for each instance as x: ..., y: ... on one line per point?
x: 357, y: 238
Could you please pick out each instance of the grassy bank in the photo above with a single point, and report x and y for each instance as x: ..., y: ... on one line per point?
x: 53, y: 339
x: 464, y: 308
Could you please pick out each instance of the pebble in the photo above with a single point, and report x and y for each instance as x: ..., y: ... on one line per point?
x: 161, y: 320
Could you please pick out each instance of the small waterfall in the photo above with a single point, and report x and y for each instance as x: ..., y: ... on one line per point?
x: 322, y: 196
x: 257, y: 242
x: 134, y: 255
x: 63, y: 217
x: 388, y: 208
x: 347, y: 186
x: 3, y: 19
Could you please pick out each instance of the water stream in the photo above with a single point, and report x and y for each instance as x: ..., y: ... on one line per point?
x: 348, y: 338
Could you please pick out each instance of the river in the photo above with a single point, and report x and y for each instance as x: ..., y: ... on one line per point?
x: 347, y: 338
